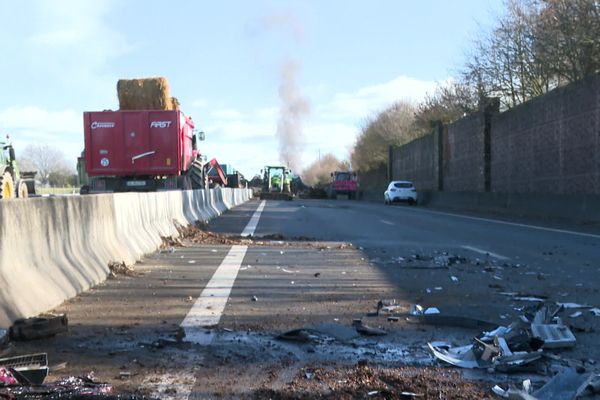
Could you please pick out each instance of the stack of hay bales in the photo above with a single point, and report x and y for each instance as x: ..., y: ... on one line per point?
x: 145, y: 94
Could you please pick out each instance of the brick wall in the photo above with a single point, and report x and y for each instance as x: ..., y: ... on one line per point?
x: 550, y: 144
x: 463, y: 155
x: 417, y: 161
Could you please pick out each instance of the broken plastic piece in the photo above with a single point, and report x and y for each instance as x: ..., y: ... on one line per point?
x: 553, y: 335
x: 576, y: 314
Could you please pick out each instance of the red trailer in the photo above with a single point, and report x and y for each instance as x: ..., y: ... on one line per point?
x: 141, y: 150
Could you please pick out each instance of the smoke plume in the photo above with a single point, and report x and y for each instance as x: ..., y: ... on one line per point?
x: 294, y: 108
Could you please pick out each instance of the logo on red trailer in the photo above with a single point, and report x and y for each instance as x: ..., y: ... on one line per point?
x: 100, y: 125
x: 160, y: 124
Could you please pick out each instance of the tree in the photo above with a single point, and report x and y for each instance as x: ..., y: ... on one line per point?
x: 392, y: 126
x: 535, y: 46
x: 568, y: 38
x: 319, y: 172
x: 49, y: 162
x: 506, y: 63
x: 449, y: 103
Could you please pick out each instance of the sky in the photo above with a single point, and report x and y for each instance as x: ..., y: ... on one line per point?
x: 250, y: 73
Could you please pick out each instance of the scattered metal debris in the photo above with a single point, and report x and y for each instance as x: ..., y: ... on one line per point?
x: 507, y: 349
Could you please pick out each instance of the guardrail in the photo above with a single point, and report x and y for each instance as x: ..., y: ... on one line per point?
x: 53, y: 248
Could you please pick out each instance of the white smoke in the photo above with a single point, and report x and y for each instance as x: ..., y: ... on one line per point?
x: 294, y: 108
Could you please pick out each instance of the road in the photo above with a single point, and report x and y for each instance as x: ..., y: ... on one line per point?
x: 326, y: 263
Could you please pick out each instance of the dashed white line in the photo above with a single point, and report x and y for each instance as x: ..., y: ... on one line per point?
x: 383, y: 221
x: 485, y: 252
x: 251, y: 227
x: 208, y: 308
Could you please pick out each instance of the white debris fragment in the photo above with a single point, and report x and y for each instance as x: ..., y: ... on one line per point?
x: 438, y: 288
x: 454, y: 278
x: 214, y: 250
x: 595, y: 311
x: 192, y: 262
x: 416, y: 309
x: 576, y: 314
x: 573, y: 305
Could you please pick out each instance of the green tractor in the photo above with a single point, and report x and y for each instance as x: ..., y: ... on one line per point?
x: 13, y: 183
x: 276, y: 183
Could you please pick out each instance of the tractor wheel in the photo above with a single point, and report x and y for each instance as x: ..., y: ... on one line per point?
x: 7, y: 186
x: 22, y: 191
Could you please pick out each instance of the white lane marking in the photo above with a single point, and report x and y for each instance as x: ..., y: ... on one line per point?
x: 251, y: 227
x: 485, y: 252
x: 208, y: 308
x: 170, y: 386
x: 386, y: 222
x: 497, y: 221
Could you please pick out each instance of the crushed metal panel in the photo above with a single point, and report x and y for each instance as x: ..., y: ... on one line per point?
x: 462, y: 357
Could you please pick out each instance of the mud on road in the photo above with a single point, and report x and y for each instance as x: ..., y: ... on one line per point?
x: 127, y: 331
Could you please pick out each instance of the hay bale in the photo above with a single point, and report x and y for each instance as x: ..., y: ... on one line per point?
x: 144, y: 94
x: 175, y: 103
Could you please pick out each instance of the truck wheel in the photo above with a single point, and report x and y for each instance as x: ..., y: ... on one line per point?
x: 22, y: 191
x: 7, y: 186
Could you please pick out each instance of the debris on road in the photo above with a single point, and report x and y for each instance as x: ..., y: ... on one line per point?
x: 506, y: 349
x: 568, y: 384
x: 450, y: 321
x: 573, y: 305
x: 304, y: 335
x: 30, y: 369
x: 40, y: 327
x: 367, y: 330
x: 120, y: 268
x: 66, y: 388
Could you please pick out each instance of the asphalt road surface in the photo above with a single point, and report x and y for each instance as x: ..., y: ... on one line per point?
x: 322, y: 265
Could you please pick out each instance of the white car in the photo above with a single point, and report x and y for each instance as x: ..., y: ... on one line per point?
x: 398, y: 191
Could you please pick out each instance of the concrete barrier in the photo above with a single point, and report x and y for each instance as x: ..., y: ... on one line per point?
x: 576, y: 208
x: 54, y: 248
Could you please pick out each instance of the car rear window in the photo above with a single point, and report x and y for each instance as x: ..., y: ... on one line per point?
x: 403, y: 185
